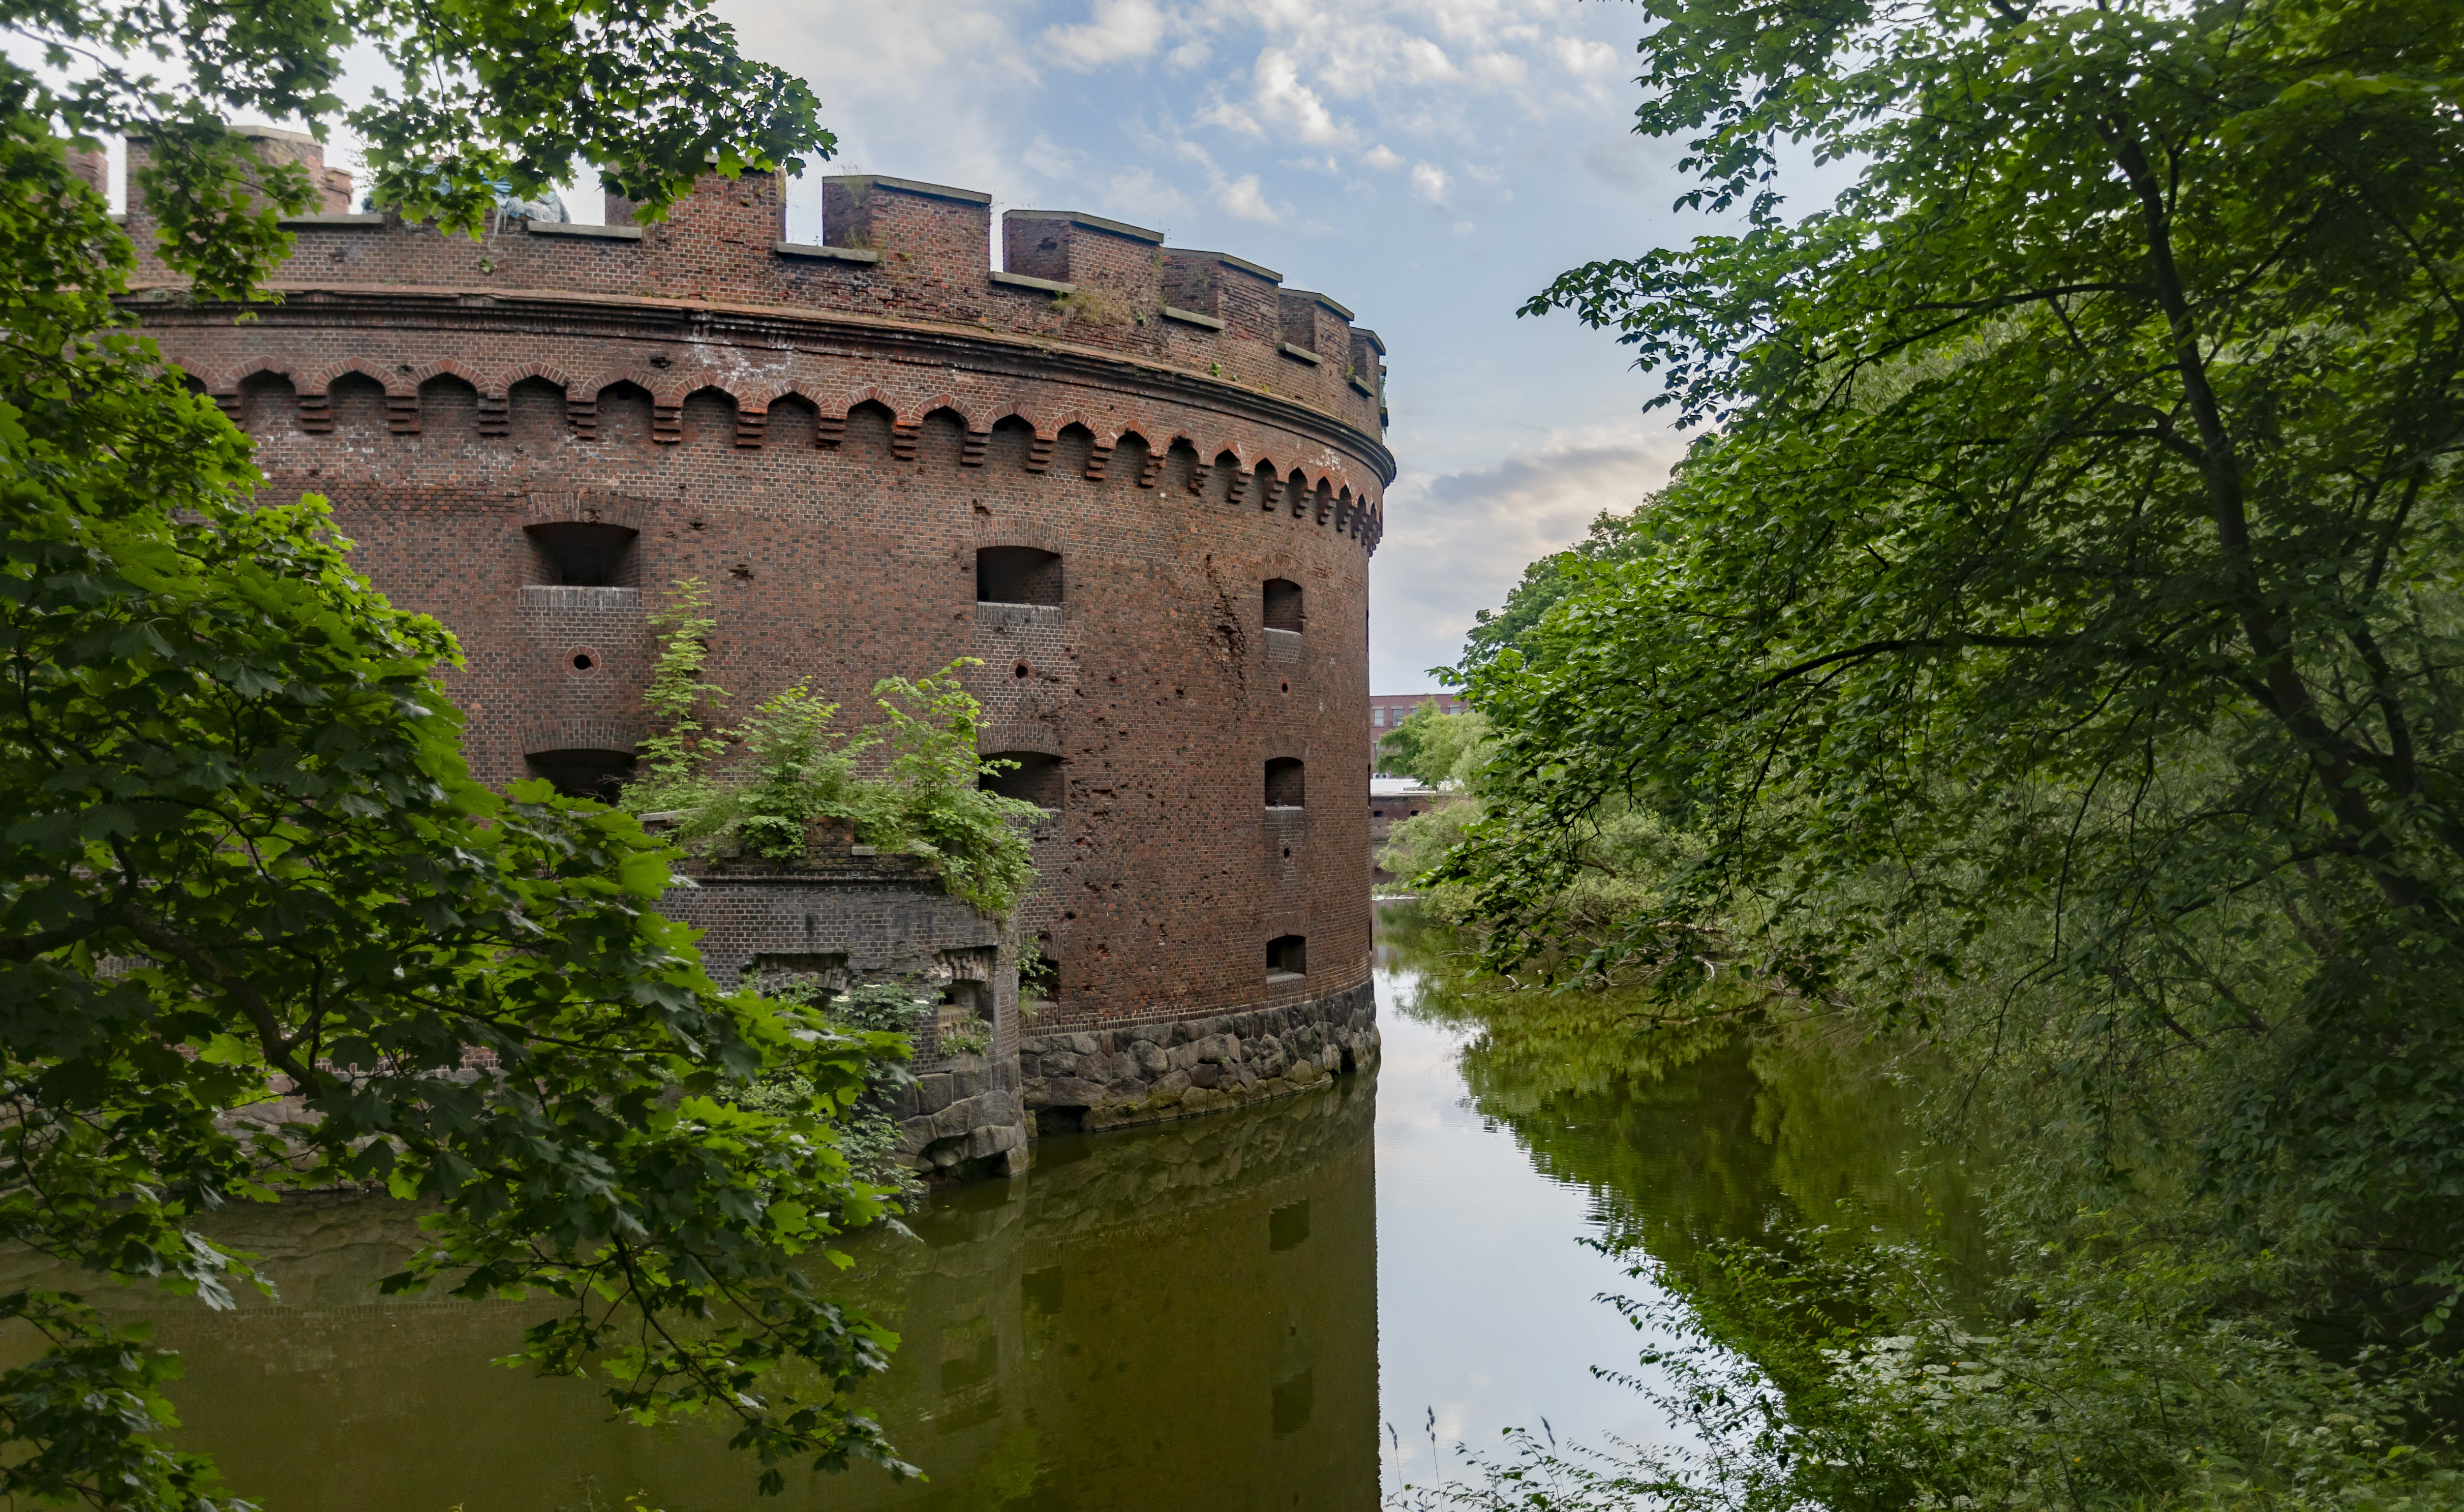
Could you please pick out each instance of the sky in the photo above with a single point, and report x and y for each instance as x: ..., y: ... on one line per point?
x: 1431, y: 163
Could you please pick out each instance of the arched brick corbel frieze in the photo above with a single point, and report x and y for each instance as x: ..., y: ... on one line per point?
x: 975, y: 434
x: 315, y: 395
x: 667, y: 404
x: 225, y: 394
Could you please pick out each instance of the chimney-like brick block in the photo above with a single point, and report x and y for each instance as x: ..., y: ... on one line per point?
x: 1112, y: 257
x: 1235, y: 291
x: 934, y: 241
x: 1318, y: 324
x: 718, y: 238
x: 94, y: 167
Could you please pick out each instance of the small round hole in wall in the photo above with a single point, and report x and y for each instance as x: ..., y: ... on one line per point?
x: 1022, y: 669
x: 581, y: 659
x: 1288, y: 688
x: 1287, y: 852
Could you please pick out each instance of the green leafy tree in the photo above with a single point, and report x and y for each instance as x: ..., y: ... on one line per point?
x: 2055, y: 642
x: 259, y: 930
x: 928, y: 799
x: 1434, y: 748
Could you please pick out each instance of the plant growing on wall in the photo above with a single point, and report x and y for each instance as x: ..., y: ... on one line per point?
x: 756, y: 789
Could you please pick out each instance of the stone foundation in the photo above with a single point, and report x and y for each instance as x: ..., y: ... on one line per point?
x: 1147, y: 1073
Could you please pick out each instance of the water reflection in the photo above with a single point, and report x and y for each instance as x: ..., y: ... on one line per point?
x: 1227, y: 1313
x: 1181, y: 1316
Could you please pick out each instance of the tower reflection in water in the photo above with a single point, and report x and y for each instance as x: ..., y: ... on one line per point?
x: 1181, y: 1316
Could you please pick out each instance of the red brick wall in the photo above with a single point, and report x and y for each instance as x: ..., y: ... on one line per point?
x: 831, y: 474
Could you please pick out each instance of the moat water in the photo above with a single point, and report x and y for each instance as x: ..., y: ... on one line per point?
x: 1300, y: 1306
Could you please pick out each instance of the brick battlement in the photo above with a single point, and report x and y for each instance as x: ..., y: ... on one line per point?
x: 894, y: 253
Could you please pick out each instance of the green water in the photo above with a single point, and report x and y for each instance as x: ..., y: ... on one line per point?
x: 1277, y: 1308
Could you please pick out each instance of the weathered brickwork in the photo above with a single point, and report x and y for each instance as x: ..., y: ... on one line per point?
x: 836, y: 920
x: 827, y: 436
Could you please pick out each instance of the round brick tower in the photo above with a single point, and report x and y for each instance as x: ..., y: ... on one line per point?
x: 1140, y: 484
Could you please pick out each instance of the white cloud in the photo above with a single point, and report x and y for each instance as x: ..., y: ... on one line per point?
x: 1429, y: 182
x: 1136, y: 194
x: 1246, y: 198
x: 1456, y: 542
x: 1281, y: 103
x: 1118, y: 31
x: 1384, y: 158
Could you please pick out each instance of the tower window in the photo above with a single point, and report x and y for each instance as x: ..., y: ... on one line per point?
x: 584, y: 556
x: 1287, y: 957
x: 1018, y: 575
x: 1036, y: 777
x: 584, y: 773
x: 1283, y: 605
x: 1283, y: 784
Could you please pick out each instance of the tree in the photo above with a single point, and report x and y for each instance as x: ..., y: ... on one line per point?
x: 1434, y: 749
x: 259, y: 930
x: 2070, y: 584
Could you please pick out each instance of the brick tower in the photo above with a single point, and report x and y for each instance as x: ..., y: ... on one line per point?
x: 1140, y: 484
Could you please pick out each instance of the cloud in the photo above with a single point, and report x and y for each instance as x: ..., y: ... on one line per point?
x: 1456, y: 542
x: 1382, y: 158
x: 1429, y: 182
x: 1137, y: 194
x: 1246, y: 198
x: 1282, y: 104
x: 1118, y: 31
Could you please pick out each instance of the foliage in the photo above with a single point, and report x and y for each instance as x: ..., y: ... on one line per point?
x: 925, y: 799
x: 881, y: 1012
x: 2110, y: 1381
x: 259, y: 930
x: 2049, y: 653
x: 2054, y: 647
x: 678, y: 700
x: 1437, y: 750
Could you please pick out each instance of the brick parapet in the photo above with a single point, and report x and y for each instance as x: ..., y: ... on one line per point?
x: 894, y: 251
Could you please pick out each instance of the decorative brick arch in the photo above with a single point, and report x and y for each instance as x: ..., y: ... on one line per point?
x: 979, y: 435
x: 667, y: 404
x: 225, y: 394
x: 831, y: 429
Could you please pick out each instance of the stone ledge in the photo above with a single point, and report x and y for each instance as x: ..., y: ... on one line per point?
x: 334, y: 220
x: 862, y: 254
x: 1192, y: 317
x: 605, y: 233
x: 1302, y: 352
x: 1019, y: 280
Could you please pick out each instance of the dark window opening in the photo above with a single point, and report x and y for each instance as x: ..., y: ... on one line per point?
x: 584, y: 773
x: 1283, y: 605
x: 1036, y: 777
x: 1017, y: 575
x: 1287, y: 956
x: 1293, y: 1399
x: 584, y: 556
x: 1040, y: 1290
x: 1284, y: 787
x: 1288, y: 1226
x: 1039, y: 977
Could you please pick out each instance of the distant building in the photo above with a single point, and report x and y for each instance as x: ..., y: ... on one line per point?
x: 1386, y: 711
